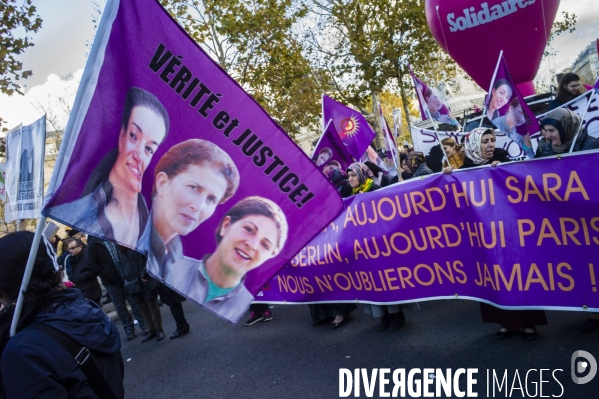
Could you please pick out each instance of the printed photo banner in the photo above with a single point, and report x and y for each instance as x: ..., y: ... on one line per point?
x: 352, y: 127
x: 168, y: 155
x: 522, y: 235
x: 331, y: 148
x: 426, y: 142
x: 25, y: 150
x: 508, y: 111
x: 429, y: 100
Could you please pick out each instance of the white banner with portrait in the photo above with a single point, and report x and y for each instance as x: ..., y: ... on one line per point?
x: 25, y: 147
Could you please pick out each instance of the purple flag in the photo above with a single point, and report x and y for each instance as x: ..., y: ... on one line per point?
x: 160, y: 141
x: 330, y: 148
x: 508, y: 111
x: 520, y: 236
x: 351, y: 126
x: 430, y: 102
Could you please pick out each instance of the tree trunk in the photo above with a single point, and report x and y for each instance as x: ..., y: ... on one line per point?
x: 376, y: 122
x: 404, y: 100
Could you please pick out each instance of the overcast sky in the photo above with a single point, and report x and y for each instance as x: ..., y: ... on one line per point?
x: 60, y: 49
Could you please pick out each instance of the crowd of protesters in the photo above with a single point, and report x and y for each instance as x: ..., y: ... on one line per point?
x: 66, y: 346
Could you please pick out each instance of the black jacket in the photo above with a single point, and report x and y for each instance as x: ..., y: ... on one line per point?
x: 100, y: 259
x: 36, y: 366
x: 584, y: 142
x: 422, y: 170
x: 499, y: 154
x: 341, y: 183
x: 84, y: 275
x: 134, y: 272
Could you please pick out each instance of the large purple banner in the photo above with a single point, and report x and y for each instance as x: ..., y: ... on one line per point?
x: 520, y: 235
x: 167, y: 154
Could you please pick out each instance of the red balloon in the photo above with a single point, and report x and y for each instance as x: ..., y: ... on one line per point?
x: 473, y: 32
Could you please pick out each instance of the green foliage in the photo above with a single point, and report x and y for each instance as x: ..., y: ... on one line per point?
x: 366, y: 46
x: 255, y: 43
x: 14, y: 18
x: 568, y: 23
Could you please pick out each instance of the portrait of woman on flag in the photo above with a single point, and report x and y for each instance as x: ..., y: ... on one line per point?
x: 111, y: 205
x: 190, y: 180
x: 253, y: 231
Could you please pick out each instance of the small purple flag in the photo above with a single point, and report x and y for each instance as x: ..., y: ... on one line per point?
x: 351, y: 126
x: 429, y: 98
x: 331, y: 148
x: 508, y: 111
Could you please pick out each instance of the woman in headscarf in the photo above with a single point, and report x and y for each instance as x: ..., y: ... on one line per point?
x: 480, y: 150
x: 559, y: 128
x: 392, y: 316
x: 416, y: 163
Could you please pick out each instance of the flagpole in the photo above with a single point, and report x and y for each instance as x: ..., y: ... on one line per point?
x: 582, y: 121
x: 491, y: 87
x: 28, y: 269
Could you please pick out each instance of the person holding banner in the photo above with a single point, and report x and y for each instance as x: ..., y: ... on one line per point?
x: 480, y: 150
x: 416, y: 163
x: 35, y: 363
x: 253, y: 231
x: 559, y: 128
x: 500, y: 95
x: 392, y: 316
x: 111, y: 205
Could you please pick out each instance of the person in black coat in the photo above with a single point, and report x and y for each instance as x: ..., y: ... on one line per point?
x: 569, y: 88
x: 81, y: 273
x: 338, y: 177
x: 104, y: 256
x: 34, y: 364
x: 416, y: 164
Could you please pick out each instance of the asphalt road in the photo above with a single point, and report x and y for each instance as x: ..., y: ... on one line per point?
x: 288, y: 358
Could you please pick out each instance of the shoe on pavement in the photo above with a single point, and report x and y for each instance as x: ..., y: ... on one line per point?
x: 385, y: 321
x: 254, y: 318
x: 159, y: 335
x: 151, y: 334
x: 268, y: 315
x: 397, y: 320
x: 131, y: 336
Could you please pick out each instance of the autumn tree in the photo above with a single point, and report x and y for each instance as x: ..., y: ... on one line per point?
x: 367, y: 46
x: 254, y: 41
x: 15, y: 17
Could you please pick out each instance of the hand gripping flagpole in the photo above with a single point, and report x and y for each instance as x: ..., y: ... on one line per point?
x: 491, y: 87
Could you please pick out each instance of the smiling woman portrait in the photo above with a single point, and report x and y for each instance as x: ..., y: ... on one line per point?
x: 111, y: 205
x: 253, y: 231
x: 190, y: 181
